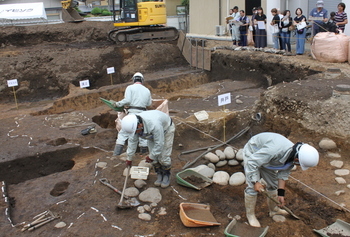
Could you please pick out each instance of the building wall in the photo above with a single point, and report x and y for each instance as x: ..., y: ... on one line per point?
x: 47, y: 3
x: 171, y: 7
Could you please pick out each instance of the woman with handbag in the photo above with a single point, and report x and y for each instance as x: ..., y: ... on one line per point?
x: 286, y: 27
x: 300, y: 23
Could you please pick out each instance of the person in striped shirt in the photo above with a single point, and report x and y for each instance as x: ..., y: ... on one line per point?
x: 341, y: 17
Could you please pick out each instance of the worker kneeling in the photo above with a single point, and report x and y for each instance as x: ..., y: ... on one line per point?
x: 158, y: 128
x: 271, y: 156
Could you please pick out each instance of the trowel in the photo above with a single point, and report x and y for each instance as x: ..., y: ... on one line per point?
x: 278, y: 203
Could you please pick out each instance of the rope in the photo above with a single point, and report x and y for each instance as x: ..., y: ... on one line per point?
x: 322, y: 195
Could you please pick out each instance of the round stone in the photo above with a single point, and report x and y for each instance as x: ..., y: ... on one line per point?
x: 141, y: 209
x: 337, y: 163
x: 162, y: 211
x: 279, y: 218
x: 341, y: 172
x: 211, y: 166
x: 237, y: 179
x: 327, y: 144
x: 229, y: 153
x: 212, y: 157
x: 221, y: 177
x: 239, y: 155
x: 139, y: 183
x: 101, y: 165
x: 233, y: 162
x: 221, y: 163
x: 132, y: 192
x: 147, y: 208
x: 340, y: 180
x: 60, y: 225
x: 150, y: 195
x: 220, y: 154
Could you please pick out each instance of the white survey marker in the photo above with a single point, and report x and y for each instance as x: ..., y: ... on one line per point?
x: 84, y: 84
x: 12, y: 83
x: 110, y: 70
x: 224, y: 99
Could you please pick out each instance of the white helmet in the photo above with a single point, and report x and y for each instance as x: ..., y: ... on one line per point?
x: 308, y: 156
x: 138, y: 77
x: 129, y: 124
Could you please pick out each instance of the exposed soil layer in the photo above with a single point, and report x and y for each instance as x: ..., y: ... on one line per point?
x: 48, y: 165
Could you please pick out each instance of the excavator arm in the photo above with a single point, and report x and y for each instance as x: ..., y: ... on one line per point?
x: 69, y: 14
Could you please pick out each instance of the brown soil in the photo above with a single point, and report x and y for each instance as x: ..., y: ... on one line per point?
x: 48, y: 165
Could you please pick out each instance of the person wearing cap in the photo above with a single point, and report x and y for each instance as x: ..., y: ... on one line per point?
x: 319, y: 11
x: 271, y: 156
x: 158, y: 128
x: 136, y: 98
x: 235, y: 27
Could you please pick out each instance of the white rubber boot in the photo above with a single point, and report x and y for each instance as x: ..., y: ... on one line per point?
x: 159, y: 180
x: 273, y: 208
x: 250, y: 202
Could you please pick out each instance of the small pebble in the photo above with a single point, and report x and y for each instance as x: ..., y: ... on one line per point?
x: 102, y: 164
x: 337, y: 163
x: 153, y: 204
x: 279, y: 218
x: 147, y: 208
x: 340, y: 180
x: 139, y: 183
x: 339, y: 192
x: 60, y: 225
x: 341, y: 172
x: 141, y: 209
x: 145, y: 216
x: 162, y: 211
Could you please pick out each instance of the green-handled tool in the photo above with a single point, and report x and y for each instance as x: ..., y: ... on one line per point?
x: 110, y: 105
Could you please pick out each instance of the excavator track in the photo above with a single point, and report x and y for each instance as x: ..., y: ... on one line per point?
x: 129, y: 34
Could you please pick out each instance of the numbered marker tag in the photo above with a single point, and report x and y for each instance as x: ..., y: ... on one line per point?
x: 84, y: 84
x: 12, y: 83
x: 110, y: 70
x: 224, y: 99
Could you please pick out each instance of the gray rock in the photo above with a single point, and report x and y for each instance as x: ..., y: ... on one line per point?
x: 221, y: 163
x: 132, y: 192
x: 327, y: 144
x: 279, y: 218
x: 221, y: 177
x: 233, y: 162
x: 211, y: 166
x: 341, y: 172
x: 143, y: 163
x: 237, y: 179
x: 125, y: 172
x: 337, y: 163
x: 229, y: 153
x: 238, y: 101
x: 162, y: 211
x: 204, y: 170
x: 141, y: 209
x: 333, y: 155
x: 239, y: 155
x: 212, y: 157
x: 220, y: 154
x: 340, y: 180
x: 139, y: 183
x: 150, y: 195
x: 145, y: 216
x: 101, y: 164
x: 153, y: 204
x: 147, y: 208
x: 339, y: 192
x: 348, y: 186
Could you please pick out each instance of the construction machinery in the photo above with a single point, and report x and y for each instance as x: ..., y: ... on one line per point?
x: 141, y: 20
x: 69, y: 14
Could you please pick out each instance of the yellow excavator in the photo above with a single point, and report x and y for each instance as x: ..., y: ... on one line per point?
x: 141, y: 20
x: 69, y: 14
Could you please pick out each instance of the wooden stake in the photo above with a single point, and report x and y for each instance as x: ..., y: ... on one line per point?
x: 111, y: 79
x: 14, y: 94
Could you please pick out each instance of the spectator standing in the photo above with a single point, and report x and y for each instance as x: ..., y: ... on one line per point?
x: 286, y: 22
x: 243, y: 28
x: 229, y: 22
x: 341, y: 17
x: 255, y: 11
x: 300, y: 23
x: 319, y: 11
x: 235, y: 27
x: 259, y: 22
x: 280, y: 15
x: 275, y: 29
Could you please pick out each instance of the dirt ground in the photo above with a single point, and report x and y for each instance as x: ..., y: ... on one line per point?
x: 47, y: 164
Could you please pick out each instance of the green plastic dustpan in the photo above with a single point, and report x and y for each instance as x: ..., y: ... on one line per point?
x: 110, y: 105
x: 237, y: 229
x: 338, y: 228
x: 192, y: 179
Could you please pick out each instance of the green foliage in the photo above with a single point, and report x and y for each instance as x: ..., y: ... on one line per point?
x: 185, y: 3
x: 106, y: 12
x: 96, y: 11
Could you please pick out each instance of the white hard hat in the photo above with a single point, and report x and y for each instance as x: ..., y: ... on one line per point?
x: 129, y: 124
x: 308, y: 156
x: 138, y: 77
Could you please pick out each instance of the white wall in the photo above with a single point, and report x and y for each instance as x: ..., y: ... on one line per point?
x: 347, y: 10
x: 269, y: 5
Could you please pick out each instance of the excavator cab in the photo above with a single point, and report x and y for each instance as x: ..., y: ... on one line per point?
x: 141, y: 20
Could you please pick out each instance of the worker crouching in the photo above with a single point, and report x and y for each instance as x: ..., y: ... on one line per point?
x: 271, y: 156
x: 158, y: 128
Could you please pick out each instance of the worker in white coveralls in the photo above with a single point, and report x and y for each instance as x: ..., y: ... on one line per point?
x: 271, y: 156
x: 158, y: 128
x: 136, y: 98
